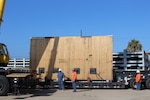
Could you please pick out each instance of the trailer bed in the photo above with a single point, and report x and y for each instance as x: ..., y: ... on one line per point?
x: 18, y: 75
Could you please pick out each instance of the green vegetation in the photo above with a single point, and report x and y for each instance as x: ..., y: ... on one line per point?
x: 134, y: 46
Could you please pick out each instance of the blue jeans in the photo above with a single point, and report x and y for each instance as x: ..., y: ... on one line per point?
x: 74, y: 86
x: 138, y: 85
x: 61, y: 85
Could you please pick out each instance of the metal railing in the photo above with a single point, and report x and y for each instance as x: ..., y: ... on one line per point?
x: 16, y: 63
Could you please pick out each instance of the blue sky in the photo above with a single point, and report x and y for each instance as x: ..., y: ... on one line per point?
x: 124, y: 19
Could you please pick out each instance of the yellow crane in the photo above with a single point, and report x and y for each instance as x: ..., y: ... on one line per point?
x: 4, y: 55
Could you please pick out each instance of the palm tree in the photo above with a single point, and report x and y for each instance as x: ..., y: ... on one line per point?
x: 134, y: 46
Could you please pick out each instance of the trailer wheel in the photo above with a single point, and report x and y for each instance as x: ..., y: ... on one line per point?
x: 133, y: 84
x: 4, y: 85
x: 148, y: 83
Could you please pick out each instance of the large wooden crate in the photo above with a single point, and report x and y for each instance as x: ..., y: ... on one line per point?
x: 90, y: 56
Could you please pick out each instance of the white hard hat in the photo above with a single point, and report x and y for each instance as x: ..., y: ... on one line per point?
x: 138, y: 71
x: 59, y: 70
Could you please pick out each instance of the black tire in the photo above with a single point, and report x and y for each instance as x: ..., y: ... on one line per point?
x: 148, y: 83
x: 4, y: 85
x: 133, y: 84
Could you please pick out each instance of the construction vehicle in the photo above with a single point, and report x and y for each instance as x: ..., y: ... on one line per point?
x: 91, y: 56
x: 4, y: 55
x: 4, y: 58
x: 7, y: 83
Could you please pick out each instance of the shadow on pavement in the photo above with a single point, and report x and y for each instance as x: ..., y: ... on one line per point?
x: 83, y: 90
x: 28, y: 93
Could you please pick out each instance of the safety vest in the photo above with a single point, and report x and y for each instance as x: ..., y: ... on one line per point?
x: 138, y: 77
x: 74, y: 76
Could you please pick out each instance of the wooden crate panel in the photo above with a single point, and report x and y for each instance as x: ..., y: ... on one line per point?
x: 67, y: 53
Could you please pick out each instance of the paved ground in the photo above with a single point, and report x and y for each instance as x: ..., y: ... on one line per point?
x: 82, y: 94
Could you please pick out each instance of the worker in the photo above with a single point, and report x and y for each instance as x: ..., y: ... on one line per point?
x: 74, y: 78
x: 138, y: 80
x: 60, y: 77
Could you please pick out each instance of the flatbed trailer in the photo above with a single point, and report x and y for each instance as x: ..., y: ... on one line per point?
x: 94, y: 84
x: 14, y: 82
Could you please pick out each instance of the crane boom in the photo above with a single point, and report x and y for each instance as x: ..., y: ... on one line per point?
x: 2, y: 4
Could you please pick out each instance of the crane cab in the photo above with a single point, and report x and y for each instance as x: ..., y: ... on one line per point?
x: 4, y: 55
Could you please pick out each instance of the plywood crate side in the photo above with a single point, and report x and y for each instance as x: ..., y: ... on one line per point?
x: 74, y: 52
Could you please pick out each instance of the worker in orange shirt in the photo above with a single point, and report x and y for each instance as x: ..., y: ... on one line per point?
x: 138, y: 80
x: 74, y: 78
